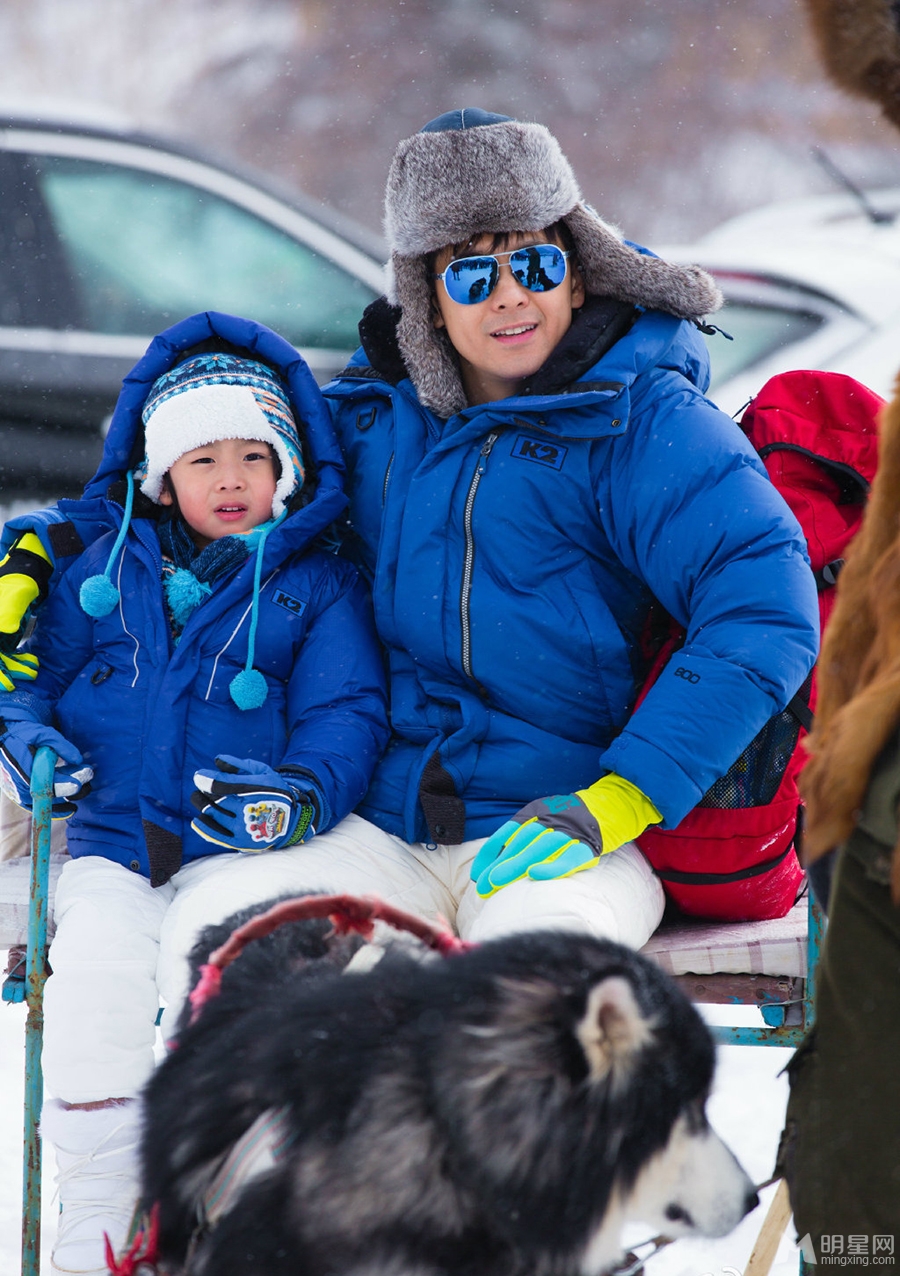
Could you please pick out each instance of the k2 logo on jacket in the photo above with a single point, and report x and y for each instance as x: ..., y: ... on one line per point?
x: 294, y: 605
x: 526, y: 449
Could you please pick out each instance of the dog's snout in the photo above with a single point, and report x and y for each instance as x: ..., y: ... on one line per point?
x: 752, y: 1200
x: 675, y: 1214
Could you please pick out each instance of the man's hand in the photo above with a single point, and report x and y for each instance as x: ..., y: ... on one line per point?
x: 561, y: 835
x: 247, y: 806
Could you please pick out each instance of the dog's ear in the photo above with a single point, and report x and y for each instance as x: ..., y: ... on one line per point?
x: 613, y: 1029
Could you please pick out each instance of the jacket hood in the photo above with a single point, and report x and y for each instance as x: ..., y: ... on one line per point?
x: 124, y: 446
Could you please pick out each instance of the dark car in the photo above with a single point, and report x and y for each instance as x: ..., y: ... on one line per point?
x: 109, y: 236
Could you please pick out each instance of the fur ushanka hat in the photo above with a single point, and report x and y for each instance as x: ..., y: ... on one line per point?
x: 469, y: 173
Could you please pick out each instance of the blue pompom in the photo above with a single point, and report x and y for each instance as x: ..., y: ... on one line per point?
x: 248, y: 689
x: 184, y: 594
x: 98, y: 596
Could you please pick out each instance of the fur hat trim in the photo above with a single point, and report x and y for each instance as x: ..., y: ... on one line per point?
x: 444, y: 187
x: 449, y: 184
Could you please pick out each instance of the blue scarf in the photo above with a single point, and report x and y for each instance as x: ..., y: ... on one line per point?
x: 189, y: 574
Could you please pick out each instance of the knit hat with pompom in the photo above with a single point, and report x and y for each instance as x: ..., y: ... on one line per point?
x: 219, y: 396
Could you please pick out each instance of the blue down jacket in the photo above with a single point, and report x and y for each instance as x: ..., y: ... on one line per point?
x: 145, y: 713
x: 514, y: 551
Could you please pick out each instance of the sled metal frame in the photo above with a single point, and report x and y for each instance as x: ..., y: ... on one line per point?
x: 786, y: 1002
x: 32, y: 992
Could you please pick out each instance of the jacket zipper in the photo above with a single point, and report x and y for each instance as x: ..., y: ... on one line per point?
x: 387, y: 480
x: 468, y: 561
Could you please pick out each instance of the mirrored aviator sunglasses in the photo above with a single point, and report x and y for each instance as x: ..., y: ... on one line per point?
x: 539, y: 268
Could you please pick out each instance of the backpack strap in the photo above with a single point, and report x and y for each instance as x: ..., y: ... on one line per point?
x: 798, y: 705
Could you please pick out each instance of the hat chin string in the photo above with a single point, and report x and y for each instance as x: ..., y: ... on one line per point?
x: 248, y: 689
x: 98, y: 596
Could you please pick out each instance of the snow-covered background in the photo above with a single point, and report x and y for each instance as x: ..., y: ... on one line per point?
x: 674, y: 115
x: 746, y: 1108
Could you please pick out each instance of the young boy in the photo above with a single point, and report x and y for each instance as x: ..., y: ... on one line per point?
x: 211, y: 683
x: 531, y: 461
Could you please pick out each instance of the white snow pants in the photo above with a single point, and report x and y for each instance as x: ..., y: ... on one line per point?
x: 618, y: 898
x: 101, y: 1002
x: 120, y: 944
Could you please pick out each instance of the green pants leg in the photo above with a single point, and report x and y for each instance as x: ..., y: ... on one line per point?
x: 841, y: 1145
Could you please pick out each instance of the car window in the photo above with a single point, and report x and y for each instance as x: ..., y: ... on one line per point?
x: 35, y: 283
x: 146, y: 250
x: 757, y: 332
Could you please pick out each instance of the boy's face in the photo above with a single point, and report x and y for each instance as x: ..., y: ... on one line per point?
x: 504, y: 339
x: 223, y: 488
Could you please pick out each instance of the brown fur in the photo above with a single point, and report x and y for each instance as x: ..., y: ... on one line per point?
x: 859, y: 668
x: 859, y: 43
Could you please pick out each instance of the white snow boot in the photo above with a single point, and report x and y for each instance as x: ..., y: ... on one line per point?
x: 97, y: 1158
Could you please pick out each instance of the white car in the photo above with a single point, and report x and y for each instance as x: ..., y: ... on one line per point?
x: 811, y: 283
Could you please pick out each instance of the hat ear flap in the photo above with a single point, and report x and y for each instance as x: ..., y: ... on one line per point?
x: 611, y: 268
x: 426, y: 349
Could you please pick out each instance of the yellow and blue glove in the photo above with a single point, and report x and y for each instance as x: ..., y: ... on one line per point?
x: 20, y: 738
x: 247, y: 806
x: 16, y: 666
x: 25, y: 573
x: 561, y: 835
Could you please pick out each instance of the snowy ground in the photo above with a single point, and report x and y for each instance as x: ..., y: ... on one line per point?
x: 747, y: 1108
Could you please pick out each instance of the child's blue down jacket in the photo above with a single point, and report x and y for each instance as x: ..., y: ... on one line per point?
x: 514, y: 550
x: 146, y: 713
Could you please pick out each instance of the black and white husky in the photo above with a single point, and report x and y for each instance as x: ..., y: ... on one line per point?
x: 503, y: 1112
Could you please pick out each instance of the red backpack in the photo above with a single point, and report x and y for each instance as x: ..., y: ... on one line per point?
x: 733, y: 856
